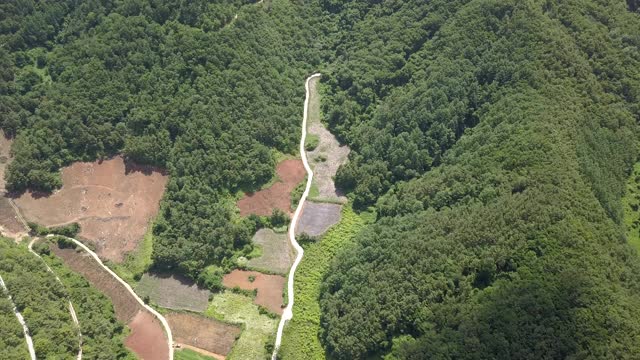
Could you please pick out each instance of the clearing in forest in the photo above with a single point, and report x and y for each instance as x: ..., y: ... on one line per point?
x: 278, y: 196
x: 277, y: 252
x: 147, y: 338
x: 328, y: 154
x: 203, y: 333
x: 173, y: 291
x: 317, y: 218
x: 269, y: 287
x: 258, y: 328
x: 10, y: 224
x: 113, y: 201
x: 5, y: 157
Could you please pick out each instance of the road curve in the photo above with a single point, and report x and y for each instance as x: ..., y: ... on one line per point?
x: 72, y: 310
x: 164, y: 322
x: 287, y: 314
x: 25, y: 329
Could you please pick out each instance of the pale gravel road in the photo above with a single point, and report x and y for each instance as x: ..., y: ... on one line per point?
x: 164, y: 322
x: 287, y: 314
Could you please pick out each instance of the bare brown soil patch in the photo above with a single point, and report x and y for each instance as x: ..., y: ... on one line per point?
x: 203, y: 333
x: 277, y: 252
x: 147, y: 337
x: 173, y: 291
x: 278, y: 195
x: 10, y: 225
x: 317, y: 218
x: 269, y: 287
x: 112, y: 201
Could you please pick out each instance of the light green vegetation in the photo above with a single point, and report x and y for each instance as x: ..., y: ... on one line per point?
x: 311, y: 142
x: 258, y: 329
x: 275, y: 255
x: 187, y: 354
x: 300, y: 339
x: 136, y: 262
x: 631, y: 203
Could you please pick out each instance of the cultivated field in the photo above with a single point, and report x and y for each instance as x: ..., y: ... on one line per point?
x: 113, y: 202
x: 173, y: 292
x: 277, y: 196
x: 328, y: 155
x: 269, y: 287
x: 277, y: 252
x: 317, y: 218
x: 258, y: 328
x: 203, y: 333
x: 147, y: 338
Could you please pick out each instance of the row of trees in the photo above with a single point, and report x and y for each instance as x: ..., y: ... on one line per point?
x: 520, y: 122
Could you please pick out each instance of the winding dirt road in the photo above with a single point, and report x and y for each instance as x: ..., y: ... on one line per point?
x: 288, y: 311
x: 163, y: 321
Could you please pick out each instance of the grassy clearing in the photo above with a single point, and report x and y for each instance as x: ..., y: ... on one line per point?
x: 631, y: 205
x: 300, y: 339
x: 187, y: 354
x: 258, y: 329
x: 136, y: 262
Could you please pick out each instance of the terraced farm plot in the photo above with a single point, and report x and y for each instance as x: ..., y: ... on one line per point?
x: 147, y: 338
x: 203, y: 333
x: 269, y: 287
x: 317, y: 218
x: 258, y: 328
x: 277, y: 252
x: 173, y: 291
x: 278, y: 196
x: 186, y: 353
x: 113, y: 202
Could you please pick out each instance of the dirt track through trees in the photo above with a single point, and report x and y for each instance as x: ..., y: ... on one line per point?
x: 287, y: 314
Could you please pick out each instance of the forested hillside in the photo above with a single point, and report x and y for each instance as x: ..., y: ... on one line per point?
x: 181, y: 85
x: 517, y: 123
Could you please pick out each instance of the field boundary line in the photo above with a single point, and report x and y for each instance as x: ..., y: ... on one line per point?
x: 287, y: 314
x: 159, y: 316
x: 25, y: 329
x: 72, y: 310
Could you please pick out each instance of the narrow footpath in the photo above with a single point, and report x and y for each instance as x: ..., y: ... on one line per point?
x: 288, y: 311
x: 25, y: 329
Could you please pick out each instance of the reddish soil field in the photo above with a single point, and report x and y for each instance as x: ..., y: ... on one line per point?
x: 203, y: 333
x: 147, y: 338
x: 278, y: 195
x: 112, y: 201
x: 269, y: 287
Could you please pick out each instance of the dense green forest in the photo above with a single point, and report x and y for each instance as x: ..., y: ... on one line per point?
x: 494, y: 140
x: 12, y: 343
x: 102, y: 333
x: 41, y: 300
x: 515, y: 124
x: 180, y: 85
